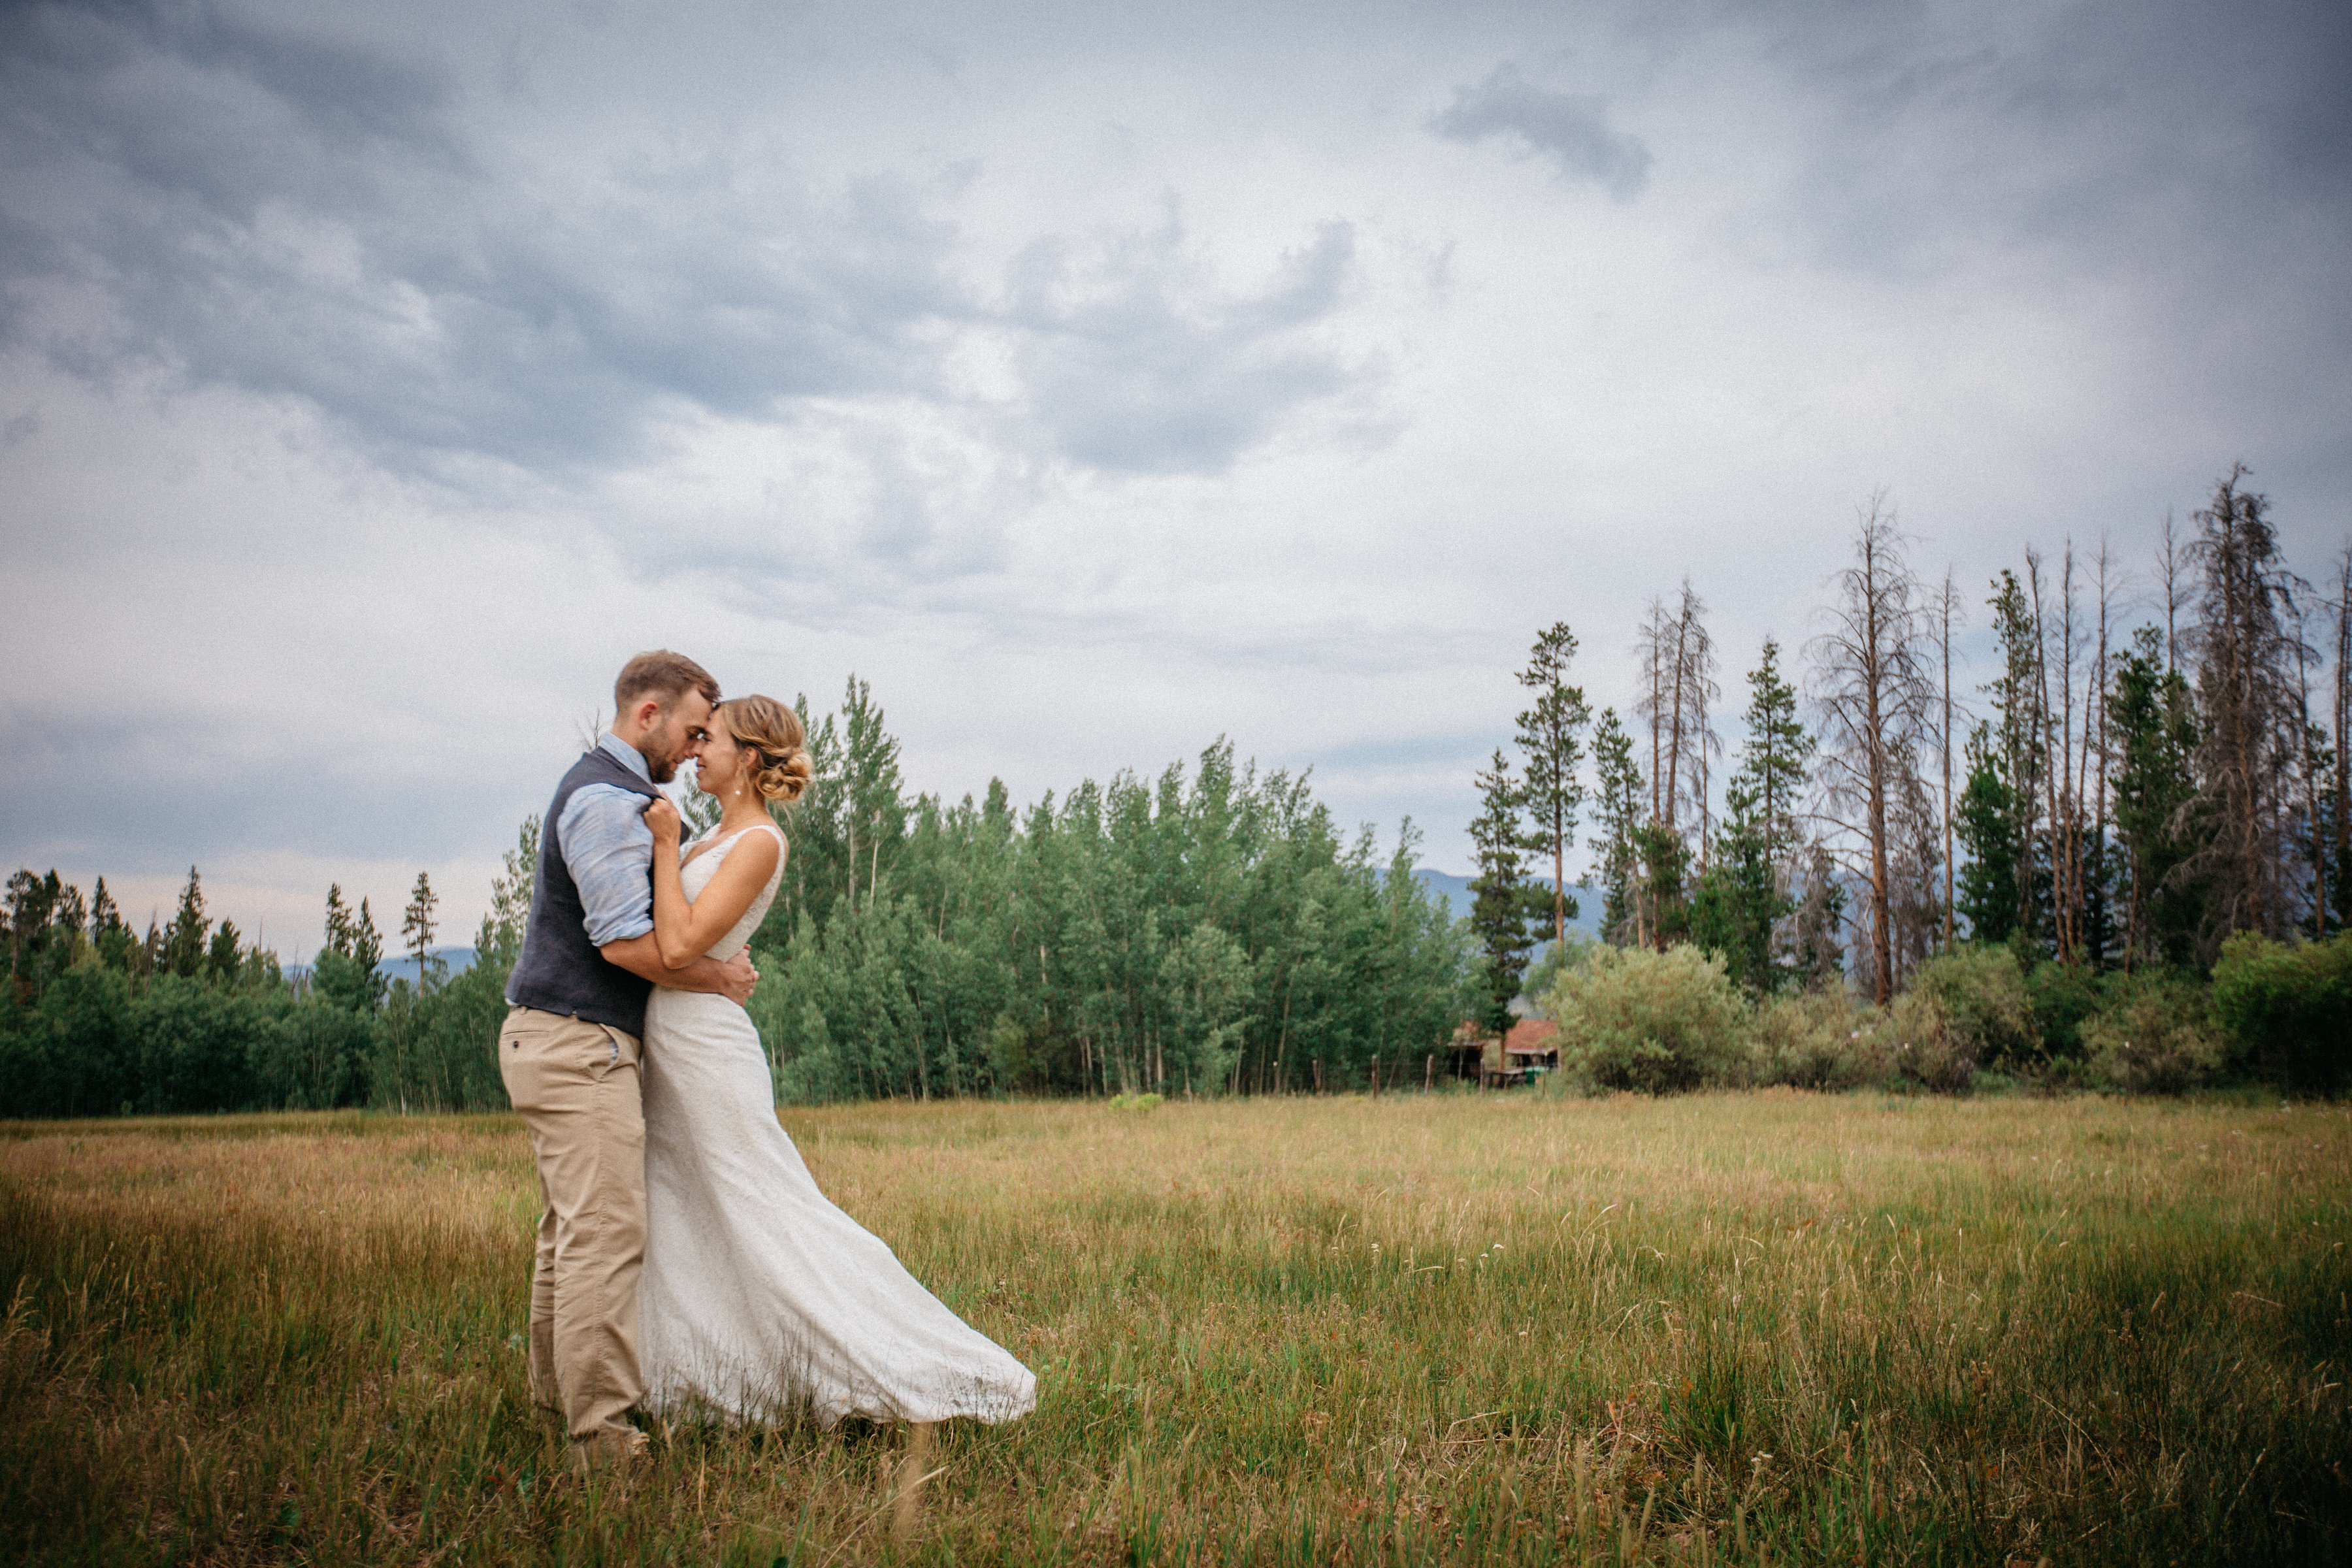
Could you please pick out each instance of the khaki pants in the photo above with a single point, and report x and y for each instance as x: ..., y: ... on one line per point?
x: 576, y: 1085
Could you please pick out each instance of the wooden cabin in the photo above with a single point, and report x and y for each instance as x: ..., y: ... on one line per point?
x: 1527, y: 1051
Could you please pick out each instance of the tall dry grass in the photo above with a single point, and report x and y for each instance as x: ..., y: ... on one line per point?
x: 1763, y: 1327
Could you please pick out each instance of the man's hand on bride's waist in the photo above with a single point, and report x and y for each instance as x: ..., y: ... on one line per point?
x: 739, y: 978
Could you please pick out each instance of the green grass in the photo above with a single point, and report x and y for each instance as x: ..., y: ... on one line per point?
x: 1742, y: 1328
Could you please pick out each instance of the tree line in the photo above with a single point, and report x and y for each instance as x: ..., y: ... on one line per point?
x: 2140, y: 782
x: 1209, y: 930
x: 97, y: 1020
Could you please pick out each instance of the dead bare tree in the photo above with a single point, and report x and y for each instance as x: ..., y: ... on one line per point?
x: 2095, y: 742
x: 2250, y: 739
x: 2054, y: 775
x: 2343, y: 725
x: 1654, y: 646
x: 1915, y: 909
x: 1873, y: 696
x: 1678, y: 667
x: 1948, y: 609
x: 2172, y: 568
x: 1696, y: 690
x: 2313, y: 748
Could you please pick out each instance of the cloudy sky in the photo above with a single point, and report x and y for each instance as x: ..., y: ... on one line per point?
x: 1094, y: 380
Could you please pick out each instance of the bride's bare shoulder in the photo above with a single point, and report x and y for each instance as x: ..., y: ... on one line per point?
x: 758, y: 852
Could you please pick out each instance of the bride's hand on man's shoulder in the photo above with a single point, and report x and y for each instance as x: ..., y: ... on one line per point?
x: 663, y: 818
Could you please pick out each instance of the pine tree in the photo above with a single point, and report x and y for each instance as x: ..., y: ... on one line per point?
x: 2020, y: 765
x: 339, y: 921
x: 345, y: 969
x: 1551, y: 737
x: 1745, y: 894
x: 367, y: 943
x: 416, y: 928
x: 2155, y: 729
x: 1777, y: 756
x: 1740, y: 897
x: 1618, y: 808
x: 1986, y: 825
x: 1502, y: 899
x: 224, y: 955
x: 185, y: 939
x: 103, y: 915
x: 1662, y: 871
x: 108, y: 931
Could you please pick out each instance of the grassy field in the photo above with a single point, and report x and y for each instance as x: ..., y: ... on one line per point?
x: 1761, y: 1328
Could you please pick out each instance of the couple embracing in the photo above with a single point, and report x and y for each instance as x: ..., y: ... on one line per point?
x: 688, y: 1263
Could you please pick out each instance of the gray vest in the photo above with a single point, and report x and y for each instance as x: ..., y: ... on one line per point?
x: 560, y: 971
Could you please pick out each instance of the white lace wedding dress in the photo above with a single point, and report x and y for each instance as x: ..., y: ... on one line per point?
x: 759, y: 1298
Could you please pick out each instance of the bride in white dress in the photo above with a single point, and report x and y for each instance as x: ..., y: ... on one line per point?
x: 759, y: 1298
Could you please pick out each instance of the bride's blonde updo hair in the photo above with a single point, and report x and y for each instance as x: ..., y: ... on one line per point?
x: 773, y: 734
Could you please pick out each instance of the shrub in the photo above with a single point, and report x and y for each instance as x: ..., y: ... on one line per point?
x: 1965, y: 1009
x: 1657, y: 1022
x: 2157, y: 1037
x: 1984, y: 995
x: 2288, y: 1006
x: 1923, y: 1046
x: 1818, y: 1041
x: 2064, y: 997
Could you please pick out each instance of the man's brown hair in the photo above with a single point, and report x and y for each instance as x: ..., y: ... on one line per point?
x: 664, y: 675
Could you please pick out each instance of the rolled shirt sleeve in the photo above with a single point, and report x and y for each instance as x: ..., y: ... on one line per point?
x: 609, y: 851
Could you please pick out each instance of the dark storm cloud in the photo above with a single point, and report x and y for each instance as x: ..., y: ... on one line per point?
x: 1571, y: 129
x: 302, y: 217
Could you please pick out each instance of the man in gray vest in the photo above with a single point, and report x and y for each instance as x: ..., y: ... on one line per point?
x: 569, y: 1049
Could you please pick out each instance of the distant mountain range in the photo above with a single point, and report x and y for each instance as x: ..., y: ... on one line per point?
x: 1456, y: 891
x: 403, y: 967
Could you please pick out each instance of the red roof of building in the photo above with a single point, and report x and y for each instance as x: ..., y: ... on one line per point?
x: 1531, y: 1035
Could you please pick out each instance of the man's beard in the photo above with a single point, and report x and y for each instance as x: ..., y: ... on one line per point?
x: 661, y: 767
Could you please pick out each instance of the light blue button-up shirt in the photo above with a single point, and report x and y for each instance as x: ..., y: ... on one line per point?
x: 609, y: 851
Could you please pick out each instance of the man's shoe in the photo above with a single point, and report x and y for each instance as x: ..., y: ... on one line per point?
x: 618, y: 1451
